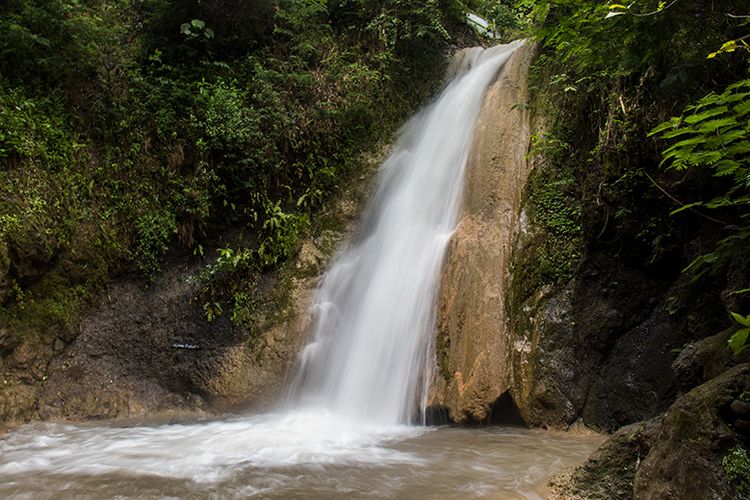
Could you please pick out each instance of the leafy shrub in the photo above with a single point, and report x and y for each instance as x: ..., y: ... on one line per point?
x: 154, y: 230
x: 737, y: 468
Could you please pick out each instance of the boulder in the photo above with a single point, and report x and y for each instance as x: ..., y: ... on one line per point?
x: 686, y: 454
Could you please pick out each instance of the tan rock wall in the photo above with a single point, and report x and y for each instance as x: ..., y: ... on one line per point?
x: 473, y: 346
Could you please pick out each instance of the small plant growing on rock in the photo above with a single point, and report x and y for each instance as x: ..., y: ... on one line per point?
x: 738, y: 341
x: 737, y: 468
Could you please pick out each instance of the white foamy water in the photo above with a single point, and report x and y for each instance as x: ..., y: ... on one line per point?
x: 202, y: 452
x: 371, y: 354
x: 345, y: 428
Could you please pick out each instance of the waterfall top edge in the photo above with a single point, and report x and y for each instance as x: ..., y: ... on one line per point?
x: 467, y: 58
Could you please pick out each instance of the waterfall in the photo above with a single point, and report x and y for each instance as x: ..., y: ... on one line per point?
x: 371, y: 350
x: 364, y: 375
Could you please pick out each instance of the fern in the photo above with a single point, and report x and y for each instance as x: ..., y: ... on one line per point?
x: 713, y: 133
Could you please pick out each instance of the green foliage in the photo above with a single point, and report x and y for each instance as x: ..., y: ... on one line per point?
x: 154, y: 231
x: 738, y: 340
x: 609, y: 80
x: 503, y: 15
x: 715, y: 134
x: 737, y: 469
x: 34, y: 128
x: 283, y: 232
x: 553, y: 248
x: 215, y: 282
x: 196, y: 28
x: 127, y: 126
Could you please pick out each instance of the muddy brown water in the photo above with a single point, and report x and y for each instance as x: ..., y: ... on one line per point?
x: 252, y: 459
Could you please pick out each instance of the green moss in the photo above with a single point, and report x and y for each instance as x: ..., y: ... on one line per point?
x: 737, y: 468
x: 51, y: 308
x: 554, y: 244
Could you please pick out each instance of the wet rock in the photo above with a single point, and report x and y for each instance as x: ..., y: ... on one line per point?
x: 472, y: 341
x: 123, y: 363
x: 30, y: 263
x: 17, y: 402
x: 686, y: 453
x: 610, y: 472
x: 740, y: 407
x: 8, y: 341
x: 705, y: 359
x: 605, y: 353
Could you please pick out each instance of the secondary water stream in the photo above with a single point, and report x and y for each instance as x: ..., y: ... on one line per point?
x: 346, y: 427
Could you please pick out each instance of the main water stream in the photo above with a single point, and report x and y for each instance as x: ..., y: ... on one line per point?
x: 346, y: 427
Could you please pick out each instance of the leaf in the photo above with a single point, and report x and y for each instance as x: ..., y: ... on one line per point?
x: 197, y: 23
x: 738, y: 340
x: 677, y: 133
x: 185, y: 28
x: 726, y: 167
x: 613, y: 14
x: 714, y: 125
x: 742, y: 320
x: 671, y: 123
x: 686, y: 207
x: 693, y: 119
x: 742, y: 108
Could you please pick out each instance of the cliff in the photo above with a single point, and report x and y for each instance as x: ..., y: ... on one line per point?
x: 473, y: 344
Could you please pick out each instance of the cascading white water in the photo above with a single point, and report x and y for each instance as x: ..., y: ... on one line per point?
x: 364, y: 373
x: 372, y: 342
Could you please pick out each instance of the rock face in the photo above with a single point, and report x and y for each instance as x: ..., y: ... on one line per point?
x: 685, y: 457
x: 677, y: 455
x: 602, y: 346
x: 145, y: 351
x: 472, y: 343
x: 610, y: 471
x: 595, y: 345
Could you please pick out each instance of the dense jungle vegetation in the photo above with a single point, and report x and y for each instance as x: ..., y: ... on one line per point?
x: 129, y: 128
x: 134, y: 127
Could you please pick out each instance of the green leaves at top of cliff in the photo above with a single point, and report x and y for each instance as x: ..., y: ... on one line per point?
x: 614, y: 78
x: 127, y: 126
x: 656, y: 46
x: 714, y: 133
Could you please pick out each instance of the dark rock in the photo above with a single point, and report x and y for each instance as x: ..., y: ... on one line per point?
x: 31, y: 262
x: 610, y: 471
x: 742, y: 425
x: 686, y: 454
x: 705, y: 359
x: 8, y: 341
x: 604, y: 353
x: 740, y: 407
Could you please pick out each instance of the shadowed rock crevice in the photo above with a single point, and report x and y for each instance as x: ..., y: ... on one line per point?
x: 504, y: 411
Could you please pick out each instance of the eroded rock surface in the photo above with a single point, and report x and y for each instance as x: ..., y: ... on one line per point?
x: 685, y: 457
x: 146, y: 350
x: 472, y: 343
x: 610, y: 471
x: 150, y: 350
x: 676, y: 455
